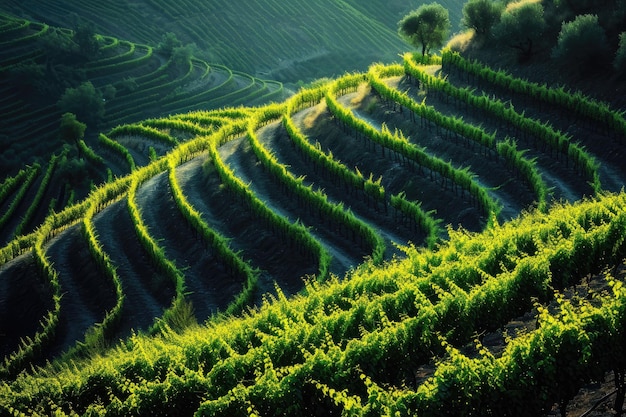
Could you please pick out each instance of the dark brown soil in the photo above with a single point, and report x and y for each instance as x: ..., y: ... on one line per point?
x: 453, y: 208
x: 275, y: 138
x: 276, y: 258
x: 511, y: 192
x: 87, y: 295
x: 147, y: 293
x: 25, y: 298
x: 606, y: 147
x: 209, y: 285
x: 564, y: 183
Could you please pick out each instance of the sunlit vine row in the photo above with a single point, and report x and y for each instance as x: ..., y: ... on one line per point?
x: 575, y: 102
x: 89, y: 153
x: 119, y: 149
x: 555, y: 140
x: 396, y: 142
x: 510, y: 154
x: 28, y: 178
x: 155, y: 251
x: 353, y: 179
x: 316, y: 200
x: 144, y: 131
x: 36, y: 201
x: 295, y: 232
x: 353, y: 345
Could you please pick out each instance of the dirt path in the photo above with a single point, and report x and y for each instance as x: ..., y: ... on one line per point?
x: 86, y: 297
x: 146, y: 292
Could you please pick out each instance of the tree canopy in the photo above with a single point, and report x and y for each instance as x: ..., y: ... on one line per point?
x: 169, y: 41
x: 581, y: 42
x: 521, y: 24
x: 481, y: 15
x: 85, y: 38
x: 84, y: 101
x: 181, y: 55
x: 71, y: 130
x: 427, y: 27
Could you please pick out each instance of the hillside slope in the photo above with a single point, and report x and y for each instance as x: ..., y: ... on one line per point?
x: 234, y: 210
x: 429, y: 237
x: 287, y: 41
x: 40, y: 64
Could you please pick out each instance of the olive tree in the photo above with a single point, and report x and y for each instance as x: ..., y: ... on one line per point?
x: 84, y: 101
x: 582, y: 43
x: 481, y: 15
x: 427, y: 27
x: 521, y: 25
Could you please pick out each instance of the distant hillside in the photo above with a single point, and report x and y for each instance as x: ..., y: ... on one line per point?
x: 39, y: 63
x: 281, y: 40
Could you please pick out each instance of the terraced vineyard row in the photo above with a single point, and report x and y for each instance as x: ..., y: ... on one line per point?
x: 235, y: 210
x: 145, y: 84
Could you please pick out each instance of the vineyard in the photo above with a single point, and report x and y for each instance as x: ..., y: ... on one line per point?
x: 292, y: 41
x: 145, y: 83
x: 370, y: 246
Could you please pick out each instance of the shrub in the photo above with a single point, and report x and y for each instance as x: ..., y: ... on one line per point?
x: 85, y: 38
x: 73, y: 171
x: 168, y: 43
x: 71, y: 130
x: 129, y: 84
x: 84, y: 101
x: 182, y: 55
x: 581, y: 44
x: 109, y: 91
